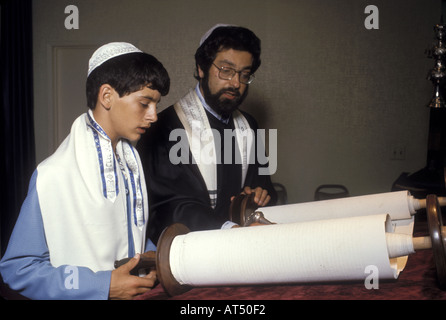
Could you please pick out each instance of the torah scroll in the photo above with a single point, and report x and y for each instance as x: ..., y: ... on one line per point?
x: 313, y: 251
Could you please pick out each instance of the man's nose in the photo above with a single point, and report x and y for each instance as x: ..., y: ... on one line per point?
x: 235, y: 80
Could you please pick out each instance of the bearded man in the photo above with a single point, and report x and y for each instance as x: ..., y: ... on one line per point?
x: 201, y: 152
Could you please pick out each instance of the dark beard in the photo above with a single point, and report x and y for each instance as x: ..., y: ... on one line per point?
x: 224, y: 107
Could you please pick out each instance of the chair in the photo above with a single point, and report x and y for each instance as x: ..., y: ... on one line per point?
x: 330, y: 191
x: 282, y: 196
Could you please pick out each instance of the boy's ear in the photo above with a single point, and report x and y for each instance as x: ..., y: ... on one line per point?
x: 105, y: 96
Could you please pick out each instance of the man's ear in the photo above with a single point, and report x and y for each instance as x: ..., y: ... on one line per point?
x: 105, y: 96
x: 200, y: 72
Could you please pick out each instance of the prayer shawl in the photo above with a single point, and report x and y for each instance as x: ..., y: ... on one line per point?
x: 83, y: 199
x: 201, y: 140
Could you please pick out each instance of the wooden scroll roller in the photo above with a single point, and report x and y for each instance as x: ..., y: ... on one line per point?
x: 161, y: 261
x: 243, y: 211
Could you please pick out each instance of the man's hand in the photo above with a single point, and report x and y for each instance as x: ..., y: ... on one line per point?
x: 261, y: 196
x: 124, y: 286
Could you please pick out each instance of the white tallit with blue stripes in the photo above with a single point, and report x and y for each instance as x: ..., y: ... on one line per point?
x: 87, y: 206
x: 193, y: 117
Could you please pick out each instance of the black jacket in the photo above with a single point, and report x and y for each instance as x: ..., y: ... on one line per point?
x: 178, y: 193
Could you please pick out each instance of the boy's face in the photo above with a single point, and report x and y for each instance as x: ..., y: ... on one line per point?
x: 131, y: 115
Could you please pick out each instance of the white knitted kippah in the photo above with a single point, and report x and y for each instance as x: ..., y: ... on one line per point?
x: 108, y: 51
x: 209, y: 32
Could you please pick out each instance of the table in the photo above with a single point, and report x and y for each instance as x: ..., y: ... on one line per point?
x: 416, y: 282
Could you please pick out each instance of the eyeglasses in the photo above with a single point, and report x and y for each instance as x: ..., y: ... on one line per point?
x: 227, y: 73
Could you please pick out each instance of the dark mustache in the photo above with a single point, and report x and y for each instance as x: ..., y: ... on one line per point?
x: 236, y: 92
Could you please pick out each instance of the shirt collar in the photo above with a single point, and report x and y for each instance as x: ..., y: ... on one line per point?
x: 207, y: 107
x: 93, y: 124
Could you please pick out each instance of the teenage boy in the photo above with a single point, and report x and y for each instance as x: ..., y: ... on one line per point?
x: 87, y: 203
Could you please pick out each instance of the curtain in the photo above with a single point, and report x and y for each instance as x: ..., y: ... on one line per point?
x: 17, y: 144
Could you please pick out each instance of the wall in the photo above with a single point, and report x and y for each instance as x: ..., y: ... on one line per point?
x: 340, y: 96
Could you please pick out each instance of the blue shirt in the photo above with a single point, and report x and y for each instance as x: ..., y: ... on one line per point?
x: 26, y: 266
